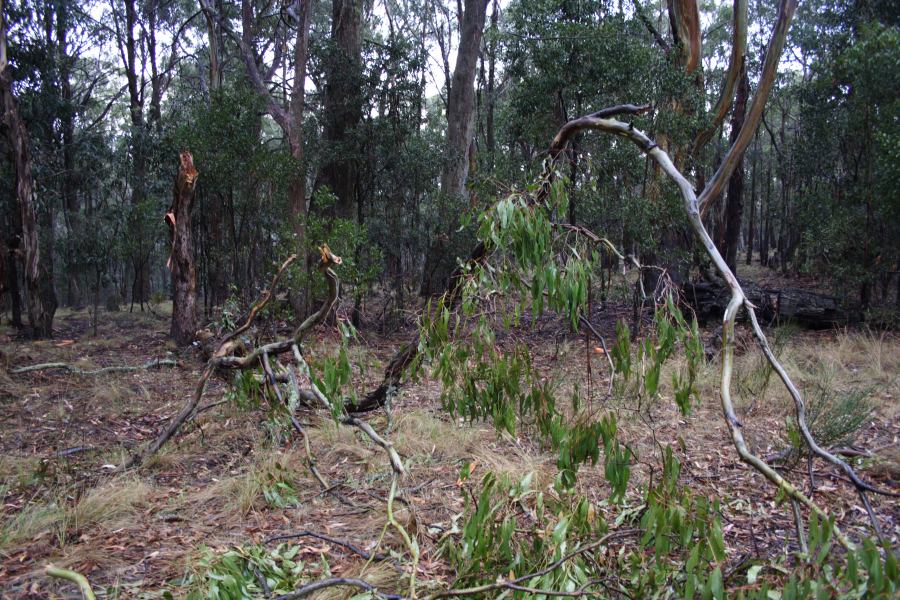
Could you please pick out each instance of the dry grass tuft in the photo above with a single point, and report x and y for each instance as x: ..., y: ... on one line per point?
x: 240, y: 494
x: 423, y: 437
x: 108, y: 506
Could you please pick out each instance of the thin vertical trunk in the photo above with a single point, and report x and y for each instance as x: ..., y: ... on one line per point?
x: 490, y: 142
x: 735, y: 206
x: 751, y: 227
x: 766, y: 209
x: 139, y: 253
x: 297, y: 189
x: 68, y: 187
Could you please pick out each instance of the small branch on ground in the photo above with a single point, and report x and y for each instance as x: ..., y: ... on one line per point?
x: 86, y: 591
x: 150, y: 364
x: 308, y: 589
x: 327, y: 538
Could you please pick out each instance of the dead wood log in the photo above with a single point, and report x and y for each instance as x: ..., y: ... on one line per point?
x: 710, y: 297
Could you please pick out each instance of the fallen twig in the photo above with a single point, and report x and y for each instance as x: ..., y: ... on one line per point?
x: 86, y: 591
x: 332, y: 540
x: 156, y: 362
x: 308, y: 589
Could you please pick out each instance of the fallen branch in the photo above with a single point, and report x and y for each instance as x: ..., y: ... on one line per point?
x: 228, y: 344
x: 331, y: 540
x: 308, y: 589
x: 515, y: 584
x: 150, y: 364
x: 86, y: 591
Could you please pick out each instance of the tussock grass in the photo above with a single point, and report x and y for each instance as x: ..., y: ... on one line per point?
x: 108, y: 506
x: 30, y: 522
x: 515, y: 462
x: 242, y: 493
x: 422, y: 436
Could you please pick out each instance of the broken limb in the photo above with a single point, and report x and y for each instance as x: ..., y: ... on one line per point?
x: 228, y: 344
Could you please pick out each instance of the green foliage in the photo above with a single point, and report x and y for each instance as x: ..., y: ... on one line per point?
x: 498, y: 538
x: 677, y: 549
x: 278, y: 489
x: 362, y: 259
x: 849, y: 114
x: 638, y: 365
x: 246, y: 390
x: 239, y: 573
x: 332, y: 372
x: 834, y: 415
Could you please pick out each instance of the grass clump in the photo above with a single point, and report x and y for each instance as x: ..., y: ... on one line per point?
x: 105, y: 506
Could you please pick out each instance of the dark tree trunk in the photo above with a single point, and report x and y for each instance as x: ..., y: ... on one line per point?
x: 343, y: 106
x: 69, y: 180
x: 766, y: 209
x: 40, y: 295
x: 12, y: 279
x: 751, y: 226
x: 735, y: 207
x: 184, y: 276
x: 136, y: 89
x: 460, y: 129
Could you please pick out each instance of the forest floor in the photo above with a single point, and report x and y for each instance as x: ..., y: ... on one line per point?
x: 138, y: 534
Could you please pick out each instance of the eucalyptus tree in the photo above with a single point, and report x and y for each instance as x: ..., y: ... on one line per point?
x: 283, y: 36
x: 343, y: 106
x: 147, y: 37
x: 40, y: 294
x: 460, y: 133
x: 843, y: 137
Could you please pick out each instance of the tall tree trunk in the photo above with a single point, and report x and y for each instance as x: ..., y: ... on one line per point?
x: 139, y: 254
x: 40, y: 295
x: 490, y: 143
x: 184, y: 275
x: 461, y: 101
x: 751, y: 226
x: 460, y: 125
x: 297, y: 188
x: 69, y: 185
x: 343, y: 106
x: 735, y: 207
x: 766, y: 208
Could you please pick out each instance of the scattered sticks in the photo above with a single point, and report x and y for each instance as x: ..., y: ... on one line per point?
x: 331, y: 540
x: 308, y: 589
x: 219, y: 360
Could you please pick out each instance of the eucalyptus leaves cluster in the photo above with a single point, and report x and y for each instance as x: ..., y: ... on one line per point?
x: 535, y: 266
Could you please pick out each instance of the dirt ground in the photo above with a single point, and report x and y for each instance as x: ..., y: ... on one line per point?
x: 140, y: 533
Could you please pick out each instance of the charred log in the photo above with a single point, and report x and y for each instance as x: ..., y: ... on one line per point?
x: 809, y: 309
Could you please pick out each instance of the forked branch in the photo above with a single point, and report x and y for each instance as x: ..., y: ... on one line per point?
x: 223, y: 357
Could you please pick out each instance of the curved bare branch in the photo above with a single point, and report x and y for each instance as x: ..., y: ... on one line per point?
x: 770, y: 68
x: 735, y: 63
